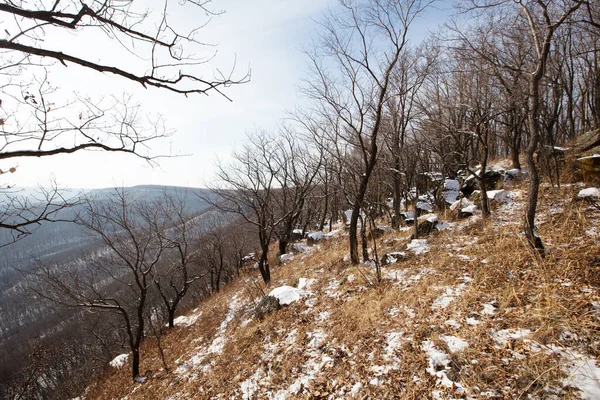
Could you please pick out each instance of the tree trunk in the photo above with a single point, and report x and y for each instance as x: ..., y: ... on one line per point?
x: 283, y: 243
x: 352, y: 233
x: 171, y: 317
x: 363, y: 237
x: 263, y: 264
x: 534, y: 180
x: 135, y: 363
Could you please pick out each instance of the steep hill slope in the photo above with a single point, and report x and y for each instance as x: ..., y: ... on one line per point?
x: 469, y: 313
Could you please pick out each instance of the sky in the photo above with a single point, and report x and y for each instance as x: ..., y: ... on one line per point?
x: 264, y: 36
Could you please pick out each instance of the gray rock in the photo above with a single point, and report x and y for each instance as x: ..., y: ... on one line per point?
x: 266, y: 306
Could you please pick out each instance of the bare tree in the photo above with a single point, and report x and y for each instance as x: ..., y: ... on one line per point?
x: 298, y: 170
x: 247, y: 187
x: 34, y: 123
x: 364, y: 41
x: 175, y: 274
x: 118, y: 278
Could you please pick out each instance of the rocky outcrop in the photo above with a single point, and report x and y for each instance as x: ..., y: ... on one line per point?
x: 266, y: 306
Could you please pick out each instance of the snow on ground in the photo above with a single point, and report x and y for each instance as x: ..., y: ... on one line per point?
x: 439, y: 365
x: 305, y: 283
x: 332, y: 289
x: 450, y: 294
x: 187, y: 320
x: 455, y: 344
x: 392, y: 258
x: 582, y: 372
x: 202, y: 353
x: 488, y: 309
x: 119, y: 361
x: 503, y: 336
x: 418, y: 246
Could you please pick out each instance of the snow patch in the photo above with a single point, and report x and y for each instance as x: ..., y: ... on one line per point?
x: 305, y: 283
x: 503, y: 336
x: 455, y: 344
x: 186, y: 321
x: 488, y: 309
x: 418, y: 246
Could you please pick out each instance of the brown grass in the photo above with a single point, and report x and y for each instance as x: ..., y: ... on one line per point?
x: 540, y: 294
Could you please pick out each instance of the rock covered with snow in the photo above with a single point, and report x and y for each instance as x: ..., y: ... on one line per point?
x: 314, y: 237
x: 287, y: 294
x: 285, y: 257
x: 463, y: 208
x: 468, y: 211
x: 459, y: 204
x: 451, y: 190
x: 427, y: 224
x: 499, y: 196
x: 393, y: 257
x: 300, y: 247
x: 589, y: 193
x: 512, y: 176
x: 119, y: 361
x: 424, y: 206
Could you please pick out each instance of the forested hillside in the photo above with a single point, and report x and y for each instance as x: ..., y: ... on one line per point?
x: 421, y: 225
x: 468, y: 310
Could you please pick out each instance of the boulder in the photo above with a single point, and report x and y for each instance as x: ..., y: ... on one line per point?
x: 490, y: 179
x: 589, y: 193
x: 297, y: 235
x: 587, y: 143
x: 285, y: 257
x: 449, y: 193
x: 588, y: 167
x: 379, y: 231
x: 407, y: 217
x: 314, y: 237
x: 500, y: 196
x: 266, y: 306
x: 393, y: 257
x: 287, y: 294
x: 300, y: 247
x: 426, y: 225
x: 513, y: 176
x: 462, y: 208
x: 468, y: 211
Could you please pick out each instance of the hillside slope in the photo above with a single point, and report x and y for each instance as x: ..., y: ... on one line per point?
x: 470, y: 313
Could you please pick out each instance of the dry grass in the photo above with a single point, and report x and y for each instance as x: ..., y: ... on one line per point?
x: 549, y: 296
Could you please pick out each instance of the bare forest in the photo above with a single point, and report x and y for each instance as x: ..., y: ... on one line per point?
x: 394, y: 126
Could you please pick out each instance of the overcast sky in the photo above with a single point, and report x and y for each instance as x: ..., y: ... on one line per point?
x: 264, y: 35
